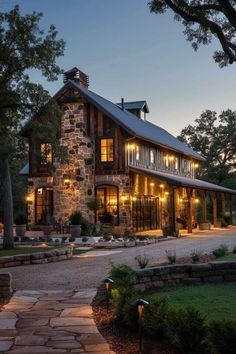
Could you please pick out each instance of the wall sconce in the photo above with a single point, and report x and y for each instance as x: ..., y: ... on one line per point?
x: 28, y: 198
x: 161, y: 185
x: 172, y: 158
x: 66, y: 180
x: 134, y: 199
x: 152, y: 184
x: 166, y: 193
x: 196, y: 200
x: 196, y: 165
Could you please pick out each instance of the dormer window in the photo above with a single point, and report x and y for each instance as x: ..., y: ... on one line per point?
x: 107, y: 150
x: 45, y: 154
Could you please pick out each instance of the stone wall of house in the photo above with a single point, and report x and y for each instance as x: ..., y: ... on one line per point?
x: 122, y: 181
x: 185, y: 274
x: 80, y: 167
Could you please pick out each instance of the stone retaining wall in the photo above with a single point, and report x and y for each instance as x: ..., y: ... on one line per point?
x: 5, y: 287
x: 54, y: 255
x: 185, y: 274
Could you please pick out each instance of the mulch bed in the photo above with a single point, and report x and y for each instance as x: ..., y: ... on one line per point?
x: 121, y: 339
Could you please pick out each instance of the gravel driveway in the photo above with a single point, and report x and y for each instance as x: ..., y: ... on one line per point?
x: 84, y: 272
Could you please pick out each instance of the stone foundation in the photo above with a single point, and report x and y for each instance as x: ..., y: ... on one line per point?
x: 5, y: 287
x: 54, y: 255
x: 185, y: 274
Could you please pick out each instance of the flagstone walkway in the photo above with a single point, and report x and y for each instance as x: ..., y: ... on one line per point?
x: 53, y: 322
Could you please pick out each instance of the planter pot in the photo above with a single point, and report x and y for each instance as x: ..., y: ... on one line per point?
x: 75, y: 230
x: 167, y: 231
x: 20, y: 230
x: 204, y: 226
x: 47, y: 229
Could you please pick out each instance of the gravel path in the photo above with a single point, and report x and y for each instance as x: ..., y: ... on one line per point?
x: 87, y: 272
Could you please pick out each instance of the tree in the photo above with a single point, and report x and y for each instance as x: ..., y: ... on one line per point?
x: 214, y: 136
x: 204, y: 20
x: 23, y: 47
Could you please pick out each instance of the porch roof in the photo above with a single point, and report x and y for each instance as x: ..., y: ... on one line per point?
x: 176, y: 180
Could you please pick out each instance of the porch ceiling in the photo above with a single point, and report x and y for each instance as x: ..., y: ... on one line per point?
x: 183, y: 181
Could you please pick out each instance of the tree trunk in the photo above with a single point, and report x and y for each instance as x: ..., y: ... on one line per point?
x: 8, y: 240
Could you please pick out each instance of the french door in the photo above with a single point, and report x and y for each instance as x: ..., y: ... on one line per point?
x: 145, y: 213
x: 43, y: 204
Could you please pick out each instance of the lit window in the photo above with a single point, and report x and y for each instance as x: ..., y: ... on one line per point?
x: 137, y: 153
x: 46, y: 154
x: 152, y: 156
x: 106, y: 150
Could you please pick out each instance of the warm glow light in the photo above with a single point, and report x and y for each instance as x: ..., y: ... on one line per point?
x: 152, y: 184
x: 134, y: 198
x: 131, y: 147
x: 172, y: 158
x: 28, y: 198
x: 124, y: 197
x: 166, y: 193
x: 44, y: 245
x: 161, y: 185
x: 180, y: 200
x: 162, y: 199
x: 196, y: 200
x: 196, y: 165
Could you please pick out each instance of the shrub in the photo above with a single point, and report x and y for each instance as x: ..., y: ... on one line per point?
x: 86, y: 227
x: 220, y: 251
x: 123, y: 299
x: 155, y: 318
x: 195, y: 255
x: 142, y: 261
x: 76, y: 218
x: 222, y: 336
x: 122, y: 275
x: 21, y: 218
x: 171, y: 256
x: 187, y: 330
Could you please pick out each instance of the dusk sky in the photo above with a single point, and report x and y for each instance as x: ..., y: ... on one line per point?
x: 129, y: 52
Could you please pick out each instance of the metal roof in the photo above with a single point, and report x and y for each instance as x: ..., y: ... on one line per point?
x: 183, y: 181
x: 137, y: 127
x: 135, y: 105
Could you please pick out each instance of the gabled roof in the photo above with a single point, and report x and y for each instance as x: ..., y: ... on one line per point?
x: 135, y: 126
x: 176, y: 180
x: 142, y: 105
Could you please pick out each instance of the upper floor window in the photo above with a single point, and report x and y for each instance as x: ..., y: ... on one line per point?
x: 46, y: 154
x: 106, y: 150
x: 152, y: 156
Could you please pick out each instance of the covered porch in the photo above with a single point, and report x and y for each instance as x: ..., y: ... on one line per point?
x: 160, y: 200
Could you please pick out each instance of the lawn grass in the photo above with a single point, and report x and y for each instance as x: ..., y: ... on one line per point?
x: 228, y: 257
x: 216, y: 301
x: 23, y: 250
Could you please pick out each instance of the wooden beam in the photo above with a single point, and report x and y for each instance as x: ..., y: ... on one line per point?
x: 190, y: 210
x: 204, y: 209
x: 214, y: 201
x: 222, y: 205
x: 100, y: 123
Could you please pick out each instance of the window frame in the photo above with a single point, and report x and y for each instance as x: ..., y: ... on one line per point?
x: 48, y: 161
x: 108, y: 153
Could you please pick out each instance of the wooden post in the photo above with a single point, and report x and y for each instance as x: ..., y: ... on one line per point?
x: 222, y: 205
x: 231, y: 209
x: 204, y: 209
x: 214, y: 200
x: 190, y: 208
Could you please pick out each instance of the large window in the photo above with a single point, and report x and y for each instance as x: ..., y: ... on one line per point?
x: 106, y: 150
x: 108, y: 196
x: 46, y: 154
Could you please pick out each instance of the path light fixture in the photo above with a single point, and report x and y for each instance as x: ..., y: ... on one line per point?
x: 108, y: 282
x: 140, y: 304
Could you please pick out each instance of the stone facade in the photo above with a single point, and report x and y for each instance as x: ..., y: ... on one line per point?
x: 122, y: 181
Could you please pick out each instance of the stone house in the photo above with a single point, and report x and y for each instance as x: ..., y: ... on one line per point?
x: 144, y: 176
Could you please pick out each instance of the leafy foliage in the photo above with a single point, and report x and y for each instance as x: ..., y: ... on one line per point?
x: 222, y: 337
x: 220, y: 251
x: 142, y: 261
x: 214, y: 136
x: 76, y: 218
x: 205, y: 20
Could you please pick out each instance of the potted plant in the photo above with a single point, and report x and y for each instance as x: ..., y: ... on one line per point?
x: 21, y: 219
x: 46, y: 226
x: 75, y: 223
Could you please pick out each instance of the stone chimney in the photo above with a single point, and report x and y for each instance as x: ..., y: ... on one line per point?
x: 76, y: 75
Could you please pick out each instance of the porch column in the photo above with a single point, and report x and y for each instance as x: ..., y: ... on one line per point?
x: 190, y: 210
x: 222, y: 205
x: 204, y: 209
x: 214, y: 200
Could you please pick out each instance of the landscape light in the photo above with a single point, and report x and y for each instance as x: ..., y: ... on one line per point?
x: 108, y: 282
x: 140, y: 304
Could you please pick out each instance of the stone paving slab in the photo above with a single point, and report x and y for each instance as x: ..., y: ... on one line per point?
x: 53, y: 322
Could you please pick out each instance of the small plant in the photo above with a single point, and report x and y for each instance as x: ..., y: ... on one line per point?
x: 220, y: 251
x: 76, y: 218
x: 21, y: 218
x: 155, y: 318
x: 86, y: 227
x: 142, y: 261
x: 171, y: 256
x: 195, y: 255
x: 222, y: 336
x: 95, y: 204
x: 187, y: 330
